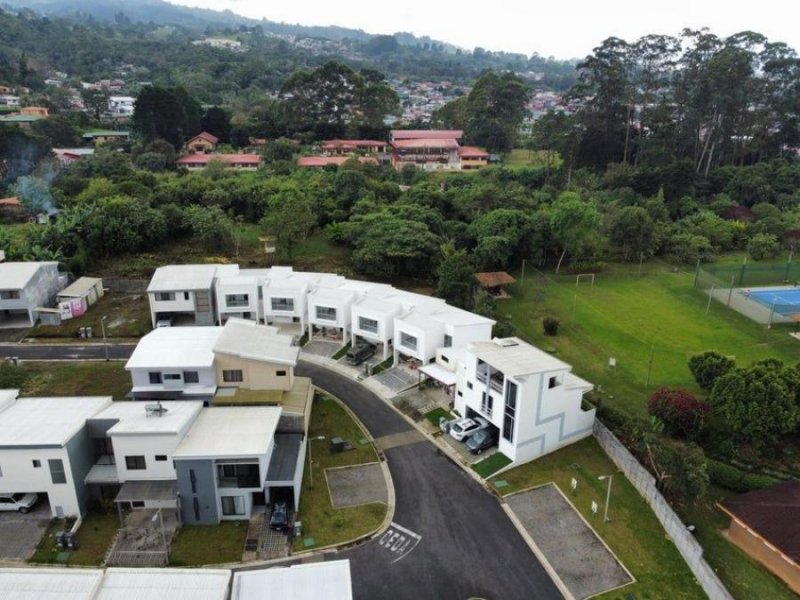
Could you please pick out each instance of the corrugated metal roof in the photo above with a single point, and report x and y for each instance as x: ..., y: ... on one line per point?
x: 80, y: 287
x: 312, y: 581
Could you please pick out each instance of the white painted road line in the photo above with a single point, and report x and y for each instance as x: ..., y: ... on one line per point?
x: 399, y: 541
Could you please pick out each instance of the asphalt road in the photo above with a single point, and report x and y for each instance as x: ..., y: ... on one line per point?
x: 66, y: 351
x: 467, y: 545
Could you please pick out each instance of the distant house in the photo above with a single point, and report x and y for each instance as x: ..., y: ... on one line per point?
x: 320, y: 162
x: 38, y: 111
x: 11, y: 207
x: 765, y: 524
x: 105, y: 136
x: 472, y: 158
x: 435, y: 150
x: 24, y: 287
x: 239, y: 162
x: 8, y: 100
x: 67, y: 156
x: 202, y: 143
x: 19, y: 120
x: 121, y: 107
x: 350, y: 147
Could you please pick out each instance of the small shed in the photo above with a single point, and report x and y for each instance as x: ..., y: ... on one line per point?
x: 495, y: 282
x: 11, y: 207
x: 75, y: 300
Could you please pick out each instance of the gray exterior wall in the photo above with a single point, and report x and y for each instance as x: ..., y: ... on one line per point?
x: 42, y: 288
x: 204, y: 311
x: 205, y: 494
x: 79, y: 451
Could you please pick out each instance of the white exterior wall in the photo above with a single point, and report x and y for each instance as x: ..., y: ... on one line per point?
x: 428, y: 340
x: 253, y: 304
x: 342, y: 306
x: 148, y: 446
x: 385, y: 326
x: 20, y: 476
x: 300, y: 304
x: 466, y: 334
x: 41, y: 290
x: 179, y: 304
x: 140, y: 377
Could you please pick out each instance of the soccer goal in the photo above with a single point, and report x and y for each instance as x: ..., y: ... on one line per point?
x: 585, y: 277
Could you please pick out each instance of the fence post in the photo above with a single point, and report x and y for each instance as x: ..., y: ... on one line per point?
x: 696, y: 272
x: 742, y: 271
x: 730, y: 290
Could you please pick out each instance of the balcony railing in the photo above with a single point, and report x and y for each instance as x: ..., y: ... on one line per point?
x: 238, y: 482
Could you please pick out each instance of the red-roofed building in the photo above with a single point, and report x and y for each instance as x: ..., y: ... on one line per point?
x: 202, y: 143
x: 11, y: 207
x: 472, y: 158
x: 422, y: 134
x: 243, y: 162
x: 435, y: 150
x: 319, y: 162
x: 345, y: 147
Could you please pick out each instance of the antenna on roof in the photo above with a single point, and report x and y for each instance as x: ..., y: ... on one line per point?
x: 155, y: 410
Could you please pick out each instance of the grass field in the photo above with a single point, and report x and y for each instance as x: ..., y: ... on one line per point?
x: 128, y: 317
x: 94, y: 539
x: 328, y: 525
x: 521, y: 157
x: 197, y: 545
x: 77, y: 379
x: 633, y: 534
x: 649, y: 324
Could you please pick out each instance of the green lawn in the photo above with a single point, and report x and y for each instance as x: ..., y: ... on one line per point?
x: 128, y: 316
x: 77, y: 379
x: 521, y: 157
x: 94, y: 539
x: 197, y: 545
x: 658, y: 316
x: 328, y: 525
x: 491, y: 464
x: 634, y: 533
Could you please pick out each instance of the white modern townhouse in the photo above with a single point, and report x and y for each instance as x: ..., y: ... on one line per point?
x: 25, y: 287
x: 45, y: 449
x: 184, y: 294
x: 329, y: 313
x: 239, y: 295
x: 530, y: 397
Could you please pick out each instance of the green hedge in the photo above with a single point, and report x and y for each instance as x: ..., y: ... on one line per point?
x: 736, y: 480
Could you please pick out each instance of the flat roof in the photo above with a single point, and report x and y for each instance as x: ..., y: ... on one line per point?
x: 309, y: 581
x: 294, y: 401
x: 16, y: 275
x: 47, y: 421
x: 337, y: 294
x: 134, y: 418
x: 175, y: 348
x: 80, y: 287
x: 251, y: 341
x: 283, y: 462
x: 182, y: 277
x: 515, y: 357
x: 223, y: 431
x: 165, y: 584
x: 456, y: 316
x: 50, y: 584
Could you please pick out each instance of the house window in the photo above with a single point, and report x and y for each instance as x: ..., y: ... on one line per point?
x: 9, y: 295
x: 280, y: 373
x: 165, y: 296
x: 245, y: 475
x: 185, y: 295
x: 1, y: 471
x: 155, y: 377
x: 448, y: 341
x: 408, y: 341
x: 237, y: 300
x: 135, y: 463
x: 232, y: 505
x: 370, y: 325
x: 445, y: 359
x: 37, y: 464
x: 487, y: 403
x: 172, y: 376
x: 196, y: 506
x: 285, y: 304
x: 193, y: 480
x: 510, y: 412
x: 57, y: 474
x: 191, y: 377
x: 161, y: 458
x: 460, y: 394
x: 137, y: 504
x: 232, y: 376
x: 469, y: 385
x: 326, y: 313
x: 553, y: 382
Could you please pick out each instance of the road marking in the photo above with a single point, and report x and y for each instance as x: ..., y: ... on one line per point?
x: 399, y: 541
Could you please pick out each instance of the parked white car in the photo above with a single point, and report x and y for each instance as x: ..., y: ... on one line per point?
x: 463, y: 428
x: 18, y: 502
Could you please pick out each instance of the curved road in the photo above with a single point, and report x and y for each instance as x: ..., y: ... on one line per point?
x: 468, y: 546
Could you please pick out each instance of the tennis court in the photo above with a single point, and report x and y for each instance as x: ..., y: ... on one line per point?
x: 784, y: 301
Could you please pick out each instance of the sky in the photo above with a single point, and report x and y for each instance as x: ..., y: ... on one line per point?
x: 559, y: 28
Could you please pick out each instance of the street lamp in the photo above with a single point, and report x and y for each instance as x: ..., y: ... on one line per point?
x: 608, y: 494
x: 310, y: 468
x: 161, y: 524
x: 103, y: 328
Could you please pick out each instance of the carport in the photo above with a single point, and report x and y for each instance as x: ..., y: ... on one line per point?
x: 438, y: 373
x: 285, y: 471
x: 147, y: 494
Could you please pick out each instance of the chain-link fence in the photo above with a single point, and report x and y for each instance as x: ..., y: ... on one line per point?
x: 645, y: 483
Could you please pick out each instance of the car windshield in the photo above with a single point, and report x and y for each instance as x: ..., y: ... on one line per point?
x: 17, y: 497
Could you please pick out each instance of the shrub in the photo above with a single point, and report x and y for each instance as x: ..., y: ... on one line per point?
x: 736, y: 480
x: 708, y: 366
x: 763, y: 246
x: 551, y: 325
x: 681, y: 413
x: 12, y: 376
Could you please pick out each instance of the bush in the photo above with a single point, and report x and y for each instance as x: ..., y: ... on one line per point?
x: 551, y: 325
x: 681, y: 413
x: 763, y: 246
x: 12, y: 376
x: 708, y: 366
x: 736, y: 480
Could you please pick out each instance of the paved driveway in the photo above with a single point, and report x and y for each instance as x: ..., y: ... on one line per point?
x: 20, y: 534
x: 449, y: 538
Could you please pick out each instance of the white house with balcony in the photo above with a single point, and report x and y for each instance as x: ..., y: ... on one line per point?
x: 24, y: 287
x: 185, y: 293
x: 45, y: 449
x: 240, y: 295
x: 329, y: 313
x: 172, y: 363
x: 528, y: 395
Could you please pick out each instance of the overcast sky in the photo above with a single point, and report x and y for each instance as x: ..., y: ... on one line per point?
x: 560, y: 28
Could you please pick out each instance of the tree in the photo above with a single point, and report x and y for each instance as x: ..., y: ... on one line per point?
x: 289, y: 218
x: 633, y: 231
x: 681, y: 413
x: 211, y: 227
x: 167, y: 113
x: 455, y: 277
x: 494, y: 111
x: 95, y: 101
x: 680, y: 468
x: 758, y: 404
x: 389, y: 246
x: 708, y: 366
x: 216, y: 122
x: 573, y: 223
x: 763, y: 246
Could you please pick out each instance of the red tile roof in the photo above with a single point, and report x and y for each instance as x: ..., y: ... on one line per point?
x: 427, y: 134
x: 13, y: 201
x: 445, y: 143
x: 773, y: 513
x: 204, y: 135
x: 494, y: 279
x: 324, y: 161
x: 348, y: 144
x: 203, y: 159
x: 472, y: 152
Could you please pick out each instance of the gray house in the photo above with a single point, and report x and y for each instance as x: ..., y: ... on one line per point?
x: 24, y: 287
